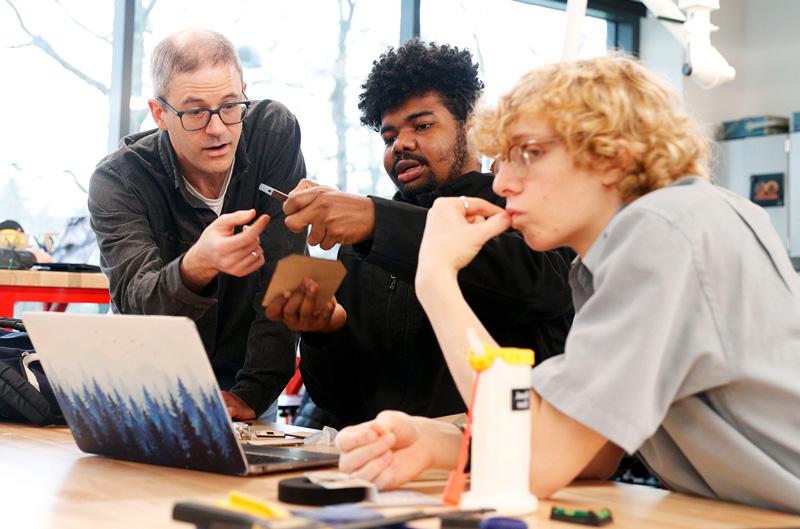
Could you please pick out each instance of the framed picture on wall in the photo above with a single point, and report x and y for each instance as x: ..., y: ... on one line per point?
x: 766, y: 190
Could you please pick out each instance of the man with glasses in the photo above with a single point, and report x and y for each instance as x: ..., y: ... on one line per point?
x: 372, y: 348
x: 181, y: 225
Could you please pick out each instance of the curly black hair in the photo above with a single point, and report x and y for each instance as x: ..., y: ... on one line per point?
x: 415, y: 69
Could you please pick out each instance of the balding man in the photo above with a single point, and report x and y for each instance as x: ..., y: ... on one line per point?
x: 180, y: 221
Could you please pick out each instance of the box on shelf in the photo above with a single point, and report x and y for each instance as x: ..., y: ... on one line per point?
x: 754, y: 126
x: 796, y: 122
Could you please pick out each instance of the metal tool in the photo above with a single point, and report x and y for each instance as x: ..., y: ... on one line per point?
x: 274, y: 193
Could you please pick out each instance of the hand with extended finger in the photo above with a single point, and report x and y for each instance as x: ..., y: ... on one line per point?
x: 334, y: 216
x: 298, y: 310
x: 388, y: 451
x: 455, y: 231
x: 219, y: 249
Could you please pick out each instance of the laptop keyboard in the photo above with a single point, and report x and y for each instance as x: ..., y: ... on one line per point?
x: 259, y: 455
x: 261, y: 459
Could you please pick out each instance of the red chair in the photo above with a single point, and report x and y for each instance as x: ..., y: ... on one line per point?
x: 289, y: 401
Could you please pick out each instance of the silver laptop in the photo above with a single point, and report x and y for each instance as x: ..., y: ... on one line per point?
x: 141, y: 388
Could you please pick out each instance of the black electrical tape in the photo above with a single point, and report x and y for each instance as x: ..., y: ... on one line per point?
x: 302, y: 492
x: 457, y: 521
x: 209, y: 516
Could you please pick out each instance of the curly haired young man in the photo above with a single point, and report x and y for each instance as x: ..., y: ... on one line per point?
x: 675, y: 282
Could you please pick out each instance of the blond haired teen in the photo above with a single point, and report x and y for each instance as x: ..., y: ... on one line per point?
x: 685, y: 348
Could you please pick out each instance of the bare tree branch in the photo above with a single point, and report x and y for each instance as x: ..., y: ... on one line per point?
x: 19, y: 17
x: 44, y: 45
x: 479, y: 53
x: 351, y: 5
x: 77, y: 182
x: 338, y: 95
x: 146, y: 10
x: 272, y: 81
x: 104, y: 38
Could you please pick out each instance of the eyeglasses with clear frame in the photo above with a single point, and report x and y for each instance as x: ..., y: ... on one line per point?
x: 199, y: 118
x: 520, y: 157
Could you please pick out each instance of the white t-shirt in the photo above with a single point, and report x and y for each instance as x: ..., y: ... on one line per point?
x: 215, y: 204
x: 685, y: 346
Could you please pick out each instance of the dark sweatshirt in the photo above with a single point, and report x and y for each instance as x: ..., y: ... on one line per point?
x: 146, y: 220
x: 387, y: 356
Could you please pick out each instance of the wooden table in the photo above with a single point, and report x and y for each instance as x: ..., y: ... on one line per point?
x: 50, y: 287
x: 45, y: 481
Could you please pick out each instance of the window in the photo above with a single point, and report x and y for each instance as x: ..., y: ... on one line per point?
x: 311, y: 56
x: 506, y: 37
x: 56, y: 59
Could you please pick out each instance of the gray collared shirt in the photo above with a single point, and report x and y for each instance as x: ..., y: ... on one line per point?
x: 686, y: 345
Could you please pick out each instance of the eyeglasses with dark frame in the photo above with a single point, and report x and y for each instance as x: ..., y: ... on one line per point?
x: 199, y: 118
x: 521, y: 156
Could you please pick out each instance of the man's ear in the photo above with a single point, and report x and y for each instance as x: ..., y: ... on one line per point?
x: 619, y: 166
x: 157, y: 111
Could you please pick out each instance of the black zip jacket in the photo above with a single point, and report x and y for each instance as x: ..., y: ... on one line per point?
x: 146, y: 220
x: 387, y: 356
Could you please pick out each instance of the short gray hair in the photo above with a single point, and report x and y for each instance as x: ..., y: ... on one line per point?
x: 188, y: 51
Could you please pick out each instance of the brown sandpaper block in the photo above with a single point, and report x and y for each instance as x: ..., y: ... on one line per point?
x: 291, y: 270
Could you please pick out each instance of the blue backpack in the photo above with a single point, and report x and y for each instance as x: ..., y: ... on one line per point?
x: 25, y: 393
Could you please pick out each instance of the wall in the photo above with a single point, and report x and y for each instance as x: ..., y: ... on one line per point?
x: 771, y: 56
x: 759, y: 38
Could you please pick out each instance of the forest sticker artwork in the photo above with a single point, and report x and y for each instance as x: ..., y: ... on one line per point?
x: 187, y: 430
x: 148, y: 397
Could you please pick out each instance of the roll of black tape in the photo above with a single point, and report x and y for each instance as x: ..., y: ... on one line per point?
x: 302, y: 492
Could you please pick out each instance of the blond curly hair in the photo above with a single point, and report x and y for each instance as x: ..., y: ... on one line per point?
x: 612, y: 113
